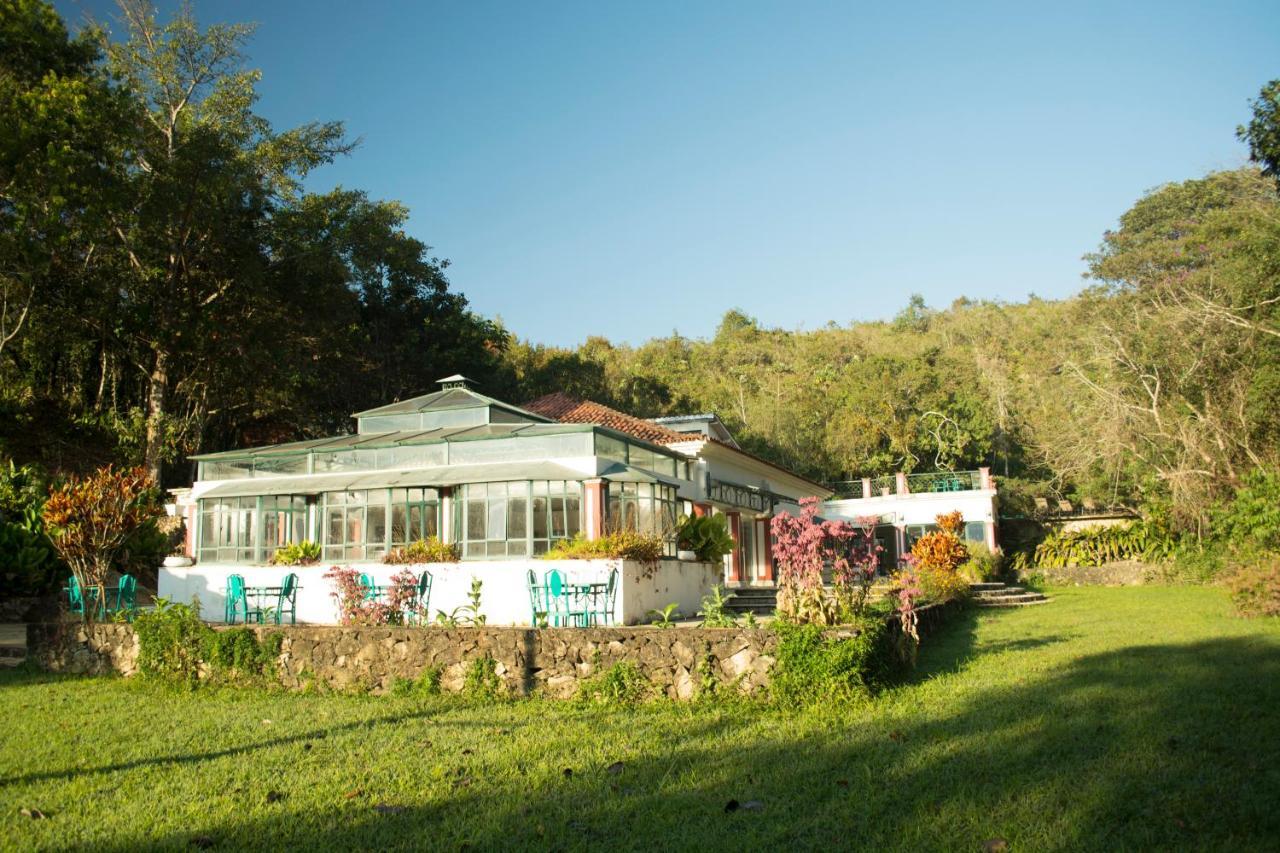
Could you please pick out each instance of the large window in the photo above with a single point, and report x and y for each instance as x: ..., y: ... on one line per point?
x: 644, y: 507
x: 349, y: 525
x: 517, y: 519
x: 415, y: 514
x: 284, y: 521
x: 250, y: 529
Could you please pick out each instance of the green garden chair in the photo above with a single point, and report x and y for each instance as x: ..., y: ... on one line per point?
x: 604, y: 614
x: 288, y: 596
x: 370, y: 588
x: 127, y: 596
x: 75, y: 598
x: 537, y: 599
x: 558, y: 604
x: 421, y: 600
x: 237, y: 602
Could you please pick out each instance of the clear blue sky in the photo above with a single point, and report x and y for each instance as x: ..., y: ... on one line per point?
x: 627, y: 169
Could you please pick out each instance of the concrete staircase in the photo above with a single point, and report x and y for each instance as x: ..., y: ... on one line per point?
x: 760, y: 600
x: 1002, y: 595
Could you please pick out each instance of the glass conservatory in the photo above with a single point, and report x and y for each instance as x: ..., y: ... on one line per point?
x: 498, y: 481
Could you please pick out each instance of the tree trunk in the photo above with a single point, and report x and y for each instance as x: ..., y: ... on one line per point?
x: 158, y: 383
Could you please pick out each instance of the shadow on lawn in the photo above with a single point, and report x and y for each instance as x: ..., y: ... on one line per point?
x: 1152, y: 747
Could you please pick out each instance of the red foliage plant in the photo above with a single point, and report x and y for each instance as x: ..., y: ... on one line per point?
x: 91, y: 519
x: 803, y: 546
x: 355, y: 607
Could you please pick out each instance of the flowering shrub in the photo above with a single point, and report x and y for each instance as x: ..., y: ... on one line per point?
x: 803, y: 546
x: 938, y: 557
x: 355, y: 607
x: 905, y: 595
x: 429, y: 550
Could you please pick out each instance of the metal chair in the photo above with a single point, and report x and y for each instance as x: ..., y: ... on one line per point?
x: 288, y: 595
x: 421, y: 600
x: 605, y: 611
x: 537, y: 599
x: 127, y: 596
x: 237, y: 601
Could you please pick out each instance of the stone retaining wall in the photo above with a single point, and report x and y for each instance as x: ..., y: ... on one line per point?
x: 548, y: 661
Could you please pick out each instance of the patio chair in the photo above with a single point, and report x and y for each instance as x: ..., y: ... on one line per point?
x: 288, y: 596
x: 370, y: 588
x: 1042, y: 506
x: 75, y: 598
x: 537, y: 599
x: 237, y: 601
x: 558, y: 605
x: 605, y: 612
x: 127, y: 596
x: 1090, y: 505
x: 421, y: 600
x: 1064, y: 506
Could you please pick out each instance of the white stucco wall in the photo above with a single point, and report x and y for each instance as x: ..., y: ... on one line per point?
x: 504, y: 596
x: 923, y: 508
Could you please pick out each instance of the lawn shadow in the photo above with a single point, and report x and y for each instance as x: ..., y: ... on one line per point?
x: 1151, y: 747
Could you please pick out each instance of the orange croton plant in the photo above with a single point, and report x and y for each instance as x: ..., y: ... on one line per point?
x: 90, y: 520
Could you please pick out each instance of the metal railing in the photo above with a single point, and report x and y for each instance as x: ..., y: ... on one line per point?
x: 934, y: 481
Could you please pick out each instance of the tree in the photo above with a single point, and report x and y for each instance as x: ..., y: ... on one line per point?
x: 1262, y: 133
x: 91, y: 521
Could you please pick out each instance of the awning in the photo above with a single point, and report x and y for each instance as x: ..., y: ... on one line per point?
x: 446, y: 475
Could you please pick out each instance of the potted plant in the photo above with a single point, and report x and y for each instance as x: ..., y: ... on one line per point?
x: 703, y: 539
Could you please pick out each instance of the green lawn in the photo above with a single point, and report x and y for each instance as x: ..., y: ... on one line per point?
x: 1145, y: 718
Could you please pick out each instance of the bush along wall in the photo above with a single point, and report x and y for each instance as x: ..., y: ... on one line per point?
x: 793, y: 665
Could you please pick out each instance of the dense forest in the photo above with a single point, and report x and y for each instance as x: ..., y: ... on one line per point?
x: 167, y: 285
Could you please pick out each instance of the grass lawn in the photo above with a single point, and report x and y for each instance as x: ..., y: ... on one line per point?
x: 1142, y: 718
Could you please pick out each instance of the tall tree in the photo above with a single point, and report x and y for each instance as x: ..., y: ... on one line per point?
x: 1263, y: 130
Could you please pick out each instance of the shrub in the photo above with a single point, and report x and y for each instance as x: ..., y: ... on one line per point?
x: 620, y: 684
x: 1094, y: 546
x: 715, y: 609
x: 983, y: 563
x: 1255, y: 585
x: 620, y: 544
x: 707, y: 536
x: 29, y: 565
x: 482, y: 682
x: 426, y: 684
x: 429, y: 550
x: 92, y: 521
x: 304, y: 553
x: 356, y: 608
x: 938, y: 557
x: 804, y: 546
x: 1253, y: 515
x: 174, y: 645
x: 814, y: 665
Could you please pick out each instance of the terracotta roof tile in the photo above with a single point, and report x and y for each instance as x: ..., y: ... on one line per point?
x: 559, y: 406
x: 570, y: 410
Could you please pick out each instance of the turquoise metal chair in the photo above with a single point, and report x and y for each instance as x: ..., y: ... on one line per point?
x: 537, y: 599
x: 288, y: 596
x: 561, y: 609
x: 370, y: 588
x: 75, y: 598
x: 127, y: 596
x: 236, y: 602
x: 422, y: 600
x: 605, y: 611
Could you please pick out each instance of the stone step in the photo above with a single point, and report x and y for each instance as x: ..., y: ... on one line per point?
x: 986, y: 586
x: 1023, y: 600
x: 1000, y: 593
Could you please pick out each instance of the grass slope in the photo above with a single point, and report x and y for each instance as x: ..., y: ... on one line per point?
x: 1110, y: 719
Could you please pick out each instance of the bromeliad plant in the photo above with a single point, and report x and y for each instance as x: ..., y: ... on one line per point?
x: 804, y: 546
x: 707, y: 536
x: 429, y: 550
x: 93, y: 521
x: 304, y: 553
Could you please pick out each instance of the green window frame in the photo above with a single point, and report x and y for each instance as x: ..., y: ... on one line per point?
x: 516, y: 518
x: 284, y: 521
x: 249, y: 529
x: 415, y: 514
x: 646, y: 508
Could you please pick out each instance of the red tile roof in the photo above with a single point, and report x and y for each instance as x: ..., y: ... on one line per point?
x: 570, y: 410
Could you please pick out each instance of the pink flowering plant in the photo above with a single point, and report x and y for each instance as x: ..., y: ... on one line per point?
x: 906, y: 593
x: 805, y: 545
x: 356, y: 607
